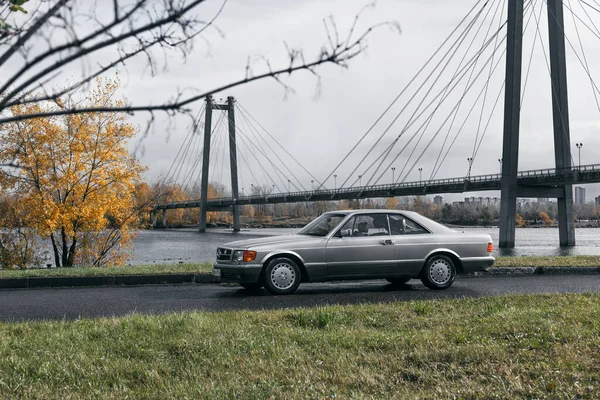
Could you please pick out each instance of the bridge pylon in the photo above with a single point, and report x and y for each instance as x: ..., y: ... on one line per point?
x: 229, y: 107
x: 512, y: 109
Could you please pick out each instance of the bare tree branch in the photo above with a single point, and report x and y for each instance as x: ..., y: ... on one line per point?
x: 340, y: 54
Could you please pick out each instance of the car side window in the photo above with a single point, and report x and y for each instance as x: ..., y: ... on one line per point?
x: 400, y: 225
x: 366, y: 225
x: 348, y: 228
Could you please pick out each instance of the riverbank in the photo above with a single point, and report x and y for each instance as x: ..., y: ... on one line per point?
x: 513, y: 346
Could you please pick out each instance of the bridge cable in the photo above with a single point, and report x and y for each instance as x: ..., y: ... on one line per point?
x: 248, y: 115
x: 257, y: 134
x: 586, y: 66
x: 419, y: 129
x: 184, y: 157
x: 464, y: 92
x: 261, y: 150
x: 453, y: 49
x: 414, y: 78
x: 190, y: 131
x: 266, y: 174
x: 463, y: 73
x: 424, y: 127
x: 456, y: 106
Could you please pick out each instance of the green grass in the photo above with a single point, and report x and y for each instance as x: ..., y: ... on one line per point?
x: 548, y: 261
x: 200, y: 268
x: 544, y: 346
x: 205, y: 268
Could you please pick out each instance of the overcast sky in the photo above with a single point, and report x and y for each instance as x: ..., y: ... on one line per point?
x: 319, y: 131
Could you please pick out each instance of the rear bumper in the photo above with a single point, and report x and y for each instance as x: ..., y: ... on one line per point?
x: 248, y: 273
x: 474, y: 264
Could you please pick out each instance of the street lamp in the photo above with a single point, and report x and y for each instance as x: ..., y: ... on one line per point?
x: 289, y: 181
x: 420, y: 179
x: 273, y: 189
x: 252, y: 189
x: 579, y: 146
x: 335, y: 182
x: 393, y: 175
x: 500, y: 161
x: 312, y: 184
x: 470, y: 160
x: 360, y: 180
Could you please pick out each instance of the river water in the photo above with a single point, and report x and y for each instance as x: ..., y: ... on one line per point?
x: 187, y: 245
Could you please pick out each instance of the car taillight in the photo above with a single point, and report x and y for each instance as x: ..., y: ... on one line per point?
x: 490, y: 247
x: 249, y: 255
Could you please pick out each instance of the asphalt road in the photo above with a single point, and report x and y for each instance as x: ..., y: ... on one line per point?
x: 73, y: 303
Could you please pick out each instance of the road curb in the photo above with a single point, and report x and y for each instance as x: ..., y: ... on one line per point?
x: 520, y: 271
x: 109, y: 280
x: 169, y: 279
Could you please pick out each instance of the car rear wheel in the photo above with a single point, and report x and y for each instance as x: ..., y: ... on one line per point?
x: 439, y: 272
x: 282, y: 276
x: 397, y: 281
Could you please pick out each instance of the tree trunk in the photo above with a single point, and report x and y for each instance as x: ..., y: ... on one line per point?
x: 71, y: 255
x: 55, y: 248
x: 65, y: 250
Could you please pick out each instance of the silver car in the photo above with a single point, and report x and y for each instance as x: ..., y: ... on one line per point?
x: 356, y: 244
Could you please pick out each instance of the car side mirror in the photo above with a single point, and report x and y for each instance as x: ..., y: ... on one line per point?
x: 338, y: 234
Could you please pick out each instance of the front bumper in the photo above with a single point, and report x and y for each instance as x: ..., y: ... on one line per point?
x: 474, y: 264
x: 246, y: 273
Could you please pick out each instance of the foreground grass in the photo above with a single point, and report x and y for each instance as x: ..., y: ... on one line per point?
x: 506, y: 347
x: 548, y: 261
x: 199, y: 268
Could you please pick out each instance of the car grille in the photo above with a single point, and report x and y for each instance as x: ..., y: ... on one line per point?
x: 224, y: 254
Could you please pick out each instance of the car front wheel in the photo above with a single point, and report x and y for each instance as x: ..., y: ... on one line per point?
x: 282, y: 276
x: 439, y: 272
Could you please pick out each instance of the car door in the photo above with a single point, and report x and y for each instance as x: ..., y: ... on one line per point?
x: 412, y: 242
x: 362, y: 247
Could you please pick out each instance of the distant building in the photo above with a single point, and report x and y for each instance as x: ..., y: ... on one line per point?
x: 542, y: 200
x: 579, y: 195
x: 438, y: 200
x: 598, y: 201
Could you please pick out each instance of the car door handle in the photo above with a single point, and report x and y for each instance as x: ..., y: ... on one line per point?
x: 387, y: 241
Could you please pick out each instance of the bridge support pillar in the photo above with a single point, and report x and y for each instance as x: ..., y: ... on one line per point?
x: 205, y: 164
x: 164, y: 218
x: 235, y: 209
x: 560, y: 113
x: 153, y: 217
x: 512, y: 114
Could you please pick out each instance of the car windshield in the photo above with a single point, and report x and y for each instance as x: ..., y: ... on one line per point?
x: 322, y: 225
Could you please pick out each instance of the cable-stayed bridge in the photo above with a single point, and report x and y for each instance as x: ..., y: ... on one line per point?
x: 449, y: 109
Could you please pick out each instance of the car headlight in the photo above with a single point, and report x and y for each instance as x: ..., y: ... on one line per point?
x: 244, y: 256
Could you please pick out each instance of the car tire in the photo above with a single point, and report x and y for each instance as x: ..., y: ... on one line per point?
x: 282, y: 276
x: 252, y: 287
x: 397, y: 281
x: 438, y: 273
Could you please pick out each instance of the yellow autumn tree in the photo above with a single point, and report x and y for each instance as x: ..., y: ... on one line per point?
x: 76, y: 177
x: 546, y: 218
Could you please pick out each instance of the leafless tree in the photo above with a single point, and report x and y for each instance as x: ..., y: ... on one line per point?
x: 38, y: 47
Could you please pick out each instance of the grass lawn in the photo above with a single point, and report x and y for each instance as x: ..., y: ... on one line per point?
x: 200, y: 268
x: 548, y: 261
x: 544, y: 346
x: 206, y: 268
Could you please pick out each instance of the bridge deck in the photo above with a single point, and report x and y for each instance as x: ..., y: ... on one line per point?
x: 533, y: 179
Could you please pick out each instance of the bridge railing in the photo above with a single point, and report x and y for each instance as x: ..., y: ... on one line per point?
x: 535, y: 173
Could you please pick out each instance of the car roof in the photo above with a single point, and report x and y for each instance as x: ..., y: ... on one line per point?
x: 431, y: 225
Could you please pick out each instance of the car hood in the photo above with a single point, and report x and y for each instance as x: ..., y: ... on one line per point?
x: 272, y: 241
